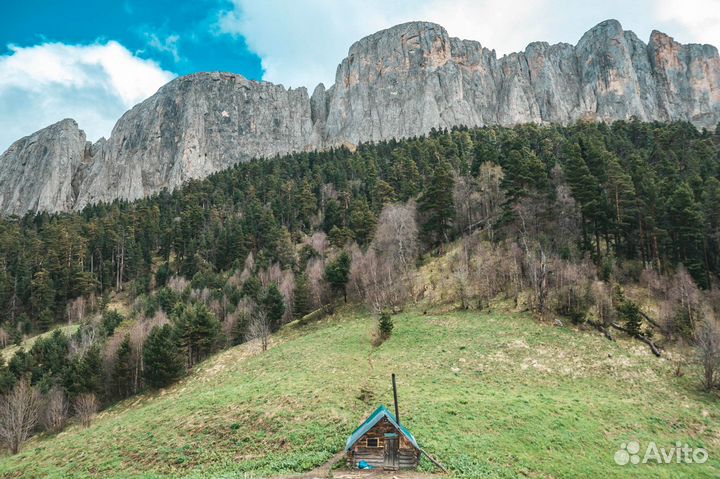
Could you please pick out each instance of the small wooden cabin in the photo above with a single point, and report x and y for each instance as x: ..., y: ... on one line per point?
x: 383, y: 443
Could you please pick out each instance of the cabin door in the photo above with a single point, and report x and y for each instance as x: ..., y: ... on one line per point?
x: 391, y: 453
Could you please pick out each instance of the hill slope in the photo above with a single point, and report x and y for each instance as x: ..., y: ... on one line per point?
x: 491, y: 395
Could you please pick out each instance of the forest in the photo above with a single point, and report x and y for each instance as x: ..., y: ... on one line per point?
x: 558, y: 219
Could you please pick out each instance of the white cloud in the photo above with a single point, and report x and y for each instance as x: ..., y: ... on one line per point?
x: 94, y: 84
x: 169, y: 44
x: 302, y: 42
x: 698, y: 21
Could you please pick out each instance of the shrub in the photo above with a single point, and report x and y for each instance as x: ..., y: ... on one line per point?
x: 110, y: 320
x: 385, y: 325
x: 86, y: 405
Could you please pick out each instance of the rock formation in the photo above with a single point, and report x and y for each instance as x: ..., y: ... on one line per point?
x: 395, y: 83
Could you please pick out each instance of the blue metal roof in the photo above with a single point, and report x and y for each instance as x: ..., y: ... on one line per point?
x: 381, y: 412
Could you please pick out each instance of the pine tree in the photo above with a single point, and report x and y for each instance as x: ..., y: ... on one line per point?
x: 337, y: 273
x: 42, y: 292
x: 162, y: 361
x: 362, y: 221
x: 621, y: 195
x: 197, y: 331
x: 436, y: 205
x: 122, y: 370
x: 45, y: 320
x: 274, y: 306
x: 685, y: 224
x: 385, y: 324
x: 586, y: 191
x: 301, y: 297
x: 111, y: 319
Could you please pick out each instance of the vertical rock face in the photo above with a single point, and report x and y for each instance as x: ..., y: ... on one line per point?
x: 192, y: 127
x: 38, y: 172
x: 396, y: 83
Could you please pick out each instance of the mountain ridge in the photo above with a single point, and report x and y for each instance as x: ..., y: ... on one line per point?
x: 399, y: 82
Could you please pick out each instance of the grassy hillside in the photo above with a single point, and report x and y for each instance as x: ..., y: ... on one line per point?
x: 9, y: 351
x: 490, y: 395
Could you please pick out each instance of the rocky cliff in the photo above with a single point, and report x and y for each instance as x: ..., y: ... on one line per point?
x: 395, y: 83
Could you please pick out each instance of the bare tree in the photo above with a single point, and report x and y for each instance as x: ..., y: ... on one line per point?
x: 707, y: 344
x: 86, y: 406
x: 536, y: 263
x: 19, y: 412
x: 319, y: 291
x: 56, y: 410
x: 76, y: 310
x: 4, y: 338
x: 396, y: 235
x: 259, y: 328
x: 87, y: 335
x: 461, y: 275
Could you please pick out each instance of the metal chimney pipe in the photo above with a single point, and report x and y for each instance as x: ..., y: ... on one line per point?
x: 397, y: 412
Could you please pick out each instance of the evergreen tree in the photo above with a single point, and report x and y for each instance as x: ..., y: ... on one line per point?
x: 436, y: 205
x: 162, y: 362
x: 252, y: 288
x: 122, y: 372
x: 43, y: 293
x: 197, y: 332
x: 362, y: 221
x: 45, y: 320
x: 301, y: 297
x: 274, y: 306
x: 685, y: 224
x: 111, y: 319
x: 337, y: 273
x: 385, y: 324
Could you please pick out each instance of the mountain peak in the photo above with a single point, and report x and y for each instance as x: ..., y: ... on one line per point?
x: 399, y: 82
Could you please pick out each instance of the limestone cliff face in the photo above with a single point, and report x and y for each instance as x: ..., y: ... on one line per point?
x: 192, y: 127
x: 38, y: 172
x: 395, y: 83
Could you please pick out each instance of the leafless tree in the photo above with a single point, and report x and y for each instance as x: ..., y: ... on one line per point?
x: 536, y: 262
x: 396, y: 235
x: 178, y: 284
x: 259, y: 328
x: 56, y: 410
x: 461, y: 276
x: 478, y: 200
x: 87, y: 335
x: 86, y: 406
x: 76, y: 310
x: 19, y: 412
x: 315, y: 273
x: 4, y: 338
x: 248, y: 268
x: 707, y: 344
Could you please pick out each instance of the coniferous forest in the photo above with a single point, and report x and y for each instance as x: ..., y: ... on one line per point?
x: 237, y: 255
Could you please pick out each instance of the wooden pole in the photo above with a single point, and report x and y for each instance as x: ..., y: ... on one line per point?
x: 397, y: 412
x: 432, y: 459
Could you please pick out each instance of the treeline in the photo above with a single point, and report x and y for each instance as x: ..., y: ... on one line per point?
x: 644, y: 192
x: 232, y: 257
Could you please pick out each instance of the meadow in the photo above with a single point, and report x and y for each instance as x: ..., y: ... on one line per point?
x: 496, y: 395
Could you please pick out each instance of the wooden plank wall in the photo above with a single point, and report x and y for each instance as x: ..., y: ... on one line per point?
x: 408, y: 456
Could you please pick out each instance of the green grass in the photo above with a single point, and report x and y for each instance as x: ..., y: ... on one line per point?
x: 490, y: 395
x: 8, y: 352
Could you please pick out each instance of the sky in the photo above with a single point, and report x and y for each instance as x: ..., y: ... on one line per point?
x: 94, y: 60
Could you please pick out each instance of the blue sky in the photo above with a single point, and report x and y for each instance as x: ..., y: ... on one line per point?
x: 180, y: 36
x: 93, y: 60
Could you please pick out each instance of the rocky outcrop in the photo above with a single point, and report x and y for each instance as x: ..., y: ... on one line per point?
x: 41, y: 172
x: 192, y: 127
x: 396, y: 83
